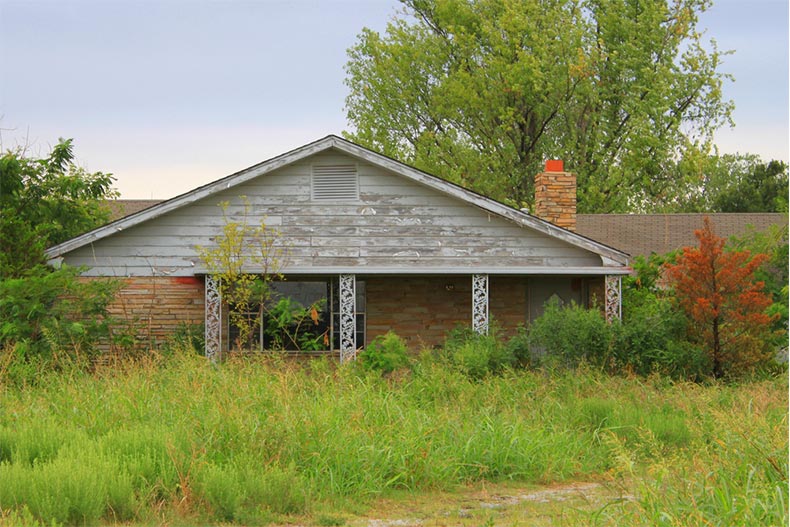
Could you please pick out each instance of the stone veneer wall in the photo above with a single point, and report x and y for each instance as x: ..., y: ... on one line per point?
x: 555, y: 198
x: 423, y: 309
x: 154, y: 307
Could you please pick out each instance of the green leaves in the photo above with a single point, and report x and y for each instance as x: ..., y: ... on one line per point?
x: 44, y: 202
x: 53, y: 311
x: 482, y: 92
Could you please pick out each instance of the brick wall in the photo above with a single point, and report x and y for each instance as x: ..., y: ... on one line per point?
x: 154, y: 307
x: 507, y: 302
x: 423, y: 309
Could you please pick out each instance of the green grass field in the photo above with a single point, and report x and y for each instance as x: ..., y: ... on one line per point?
x: 184, y: 442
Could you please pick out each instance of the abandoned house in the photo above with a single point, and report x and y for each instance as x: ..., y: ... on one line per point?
x: 376, y: 244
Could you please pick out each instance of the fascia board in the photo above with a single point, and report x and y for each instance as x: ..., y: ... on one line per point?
x: 425, y: 270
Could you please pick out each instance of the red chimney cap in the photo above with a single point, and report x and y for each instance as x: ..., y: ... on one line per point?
x: 554, y: 165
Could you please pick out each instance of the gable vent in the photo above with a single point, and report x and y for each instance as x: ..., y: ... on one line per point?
x: 335, y: 182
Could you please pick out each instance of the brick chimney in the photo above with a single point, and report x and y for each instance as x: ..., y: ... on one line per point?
x: 555, y: 196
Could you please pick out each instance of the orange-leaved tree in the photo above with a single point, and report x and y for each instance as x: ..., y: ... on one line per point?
x: 724, y: 304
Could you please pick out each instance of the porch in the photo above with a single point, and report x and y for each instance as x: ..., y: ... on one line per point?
x: 355, y: 309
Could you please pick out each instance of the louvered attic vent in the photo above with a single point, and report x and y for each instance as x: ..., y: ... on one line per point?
x: 335, y: 183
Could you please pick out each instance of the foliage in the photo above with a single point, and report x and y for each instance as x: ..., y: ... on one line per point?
x: 724, y: 305
x: 244, y: 259
x: 48, y: 312
x: 48, y: 316
x: 740, y: 183
x: 289, y: 325
x: 44, y: 202
x: 251, y: 442
x: 385, y: 354
x: 481, y: 92
x: 188, y: 338
x: 476, y: 355
x: 569, y: 335
x: 243, y: 491
x: 772, y: 241
x: 653, y: 334
x: 518, y: 346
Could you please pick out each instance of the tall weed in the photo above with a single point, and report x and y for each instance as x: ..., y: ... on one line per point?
x: 251, y: 442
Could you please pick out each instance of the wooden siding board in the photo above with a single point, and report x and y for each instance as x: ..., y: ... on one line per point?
x: 413, y: 225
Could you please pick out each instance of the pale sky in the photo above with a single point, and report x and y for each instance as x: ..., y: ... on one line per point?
x: 173, y: 94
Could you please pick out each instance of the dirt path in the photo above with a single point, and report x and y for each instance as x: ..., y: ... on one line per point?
x: 495, y: 505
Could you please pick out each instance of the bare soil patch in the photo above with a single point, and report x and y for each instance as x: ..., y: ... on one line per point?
x: 494, y: 505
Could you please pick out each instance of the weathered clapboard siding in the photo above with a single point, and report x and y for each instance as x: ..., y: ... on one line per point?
x: 396, y: 224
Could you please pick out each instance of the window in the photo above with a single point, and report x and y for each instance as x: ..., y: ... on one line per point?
x: 299, y: 316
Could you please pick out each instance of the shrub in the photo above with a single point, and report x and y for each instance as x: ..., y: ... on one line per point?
x: 652, y: 339
x: 477, y: 355
x: 52, y: 314
x: 185, y: 338
x: 569, y: 335
x: 243, y: 491
x: 385, y: 353
x: 518, y: 346
x: 279, y: 490
x: 725, y: 305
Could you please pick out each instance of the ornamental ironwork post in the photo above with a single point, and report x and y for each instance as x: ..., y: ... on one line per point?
x: 348, y: 320
x: 213, y: 318
x: 480, y: 303
x: 614, y: 296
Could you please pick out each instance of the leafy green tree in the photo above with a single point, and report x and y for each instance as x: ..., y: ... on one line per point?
x: 773, y: 241
x: 44, y: 202
x: 746, y: 184
x: 732, y: 183
x: 480, y: 92
x: 45, y: 312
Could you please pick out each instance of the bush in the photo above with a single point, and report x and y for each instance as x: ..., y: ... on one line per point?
x: 518, y: 346
x: 477, y: 355
x: 652, y: 338
x: 54, y: 315
x: 186, y: 338
x: 385, y: 353
x: 570, y: 335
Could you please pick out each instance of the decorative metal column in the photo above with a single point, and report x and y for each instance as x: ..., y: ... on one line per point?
x: 480, y: 303
x: 213, y: 321
x: 347, y: 295
x: 614, y: 295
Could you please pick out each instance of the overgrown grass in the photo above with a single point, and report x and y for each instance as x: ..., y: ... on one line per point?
x: 254, y: 443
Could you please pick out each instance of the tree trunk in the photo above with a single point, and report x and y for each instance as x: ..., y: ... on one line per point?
x: 718, y: 372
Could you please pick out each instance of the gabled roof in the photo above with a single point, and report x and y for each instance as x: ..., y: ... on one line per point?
x: 609, y: 255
